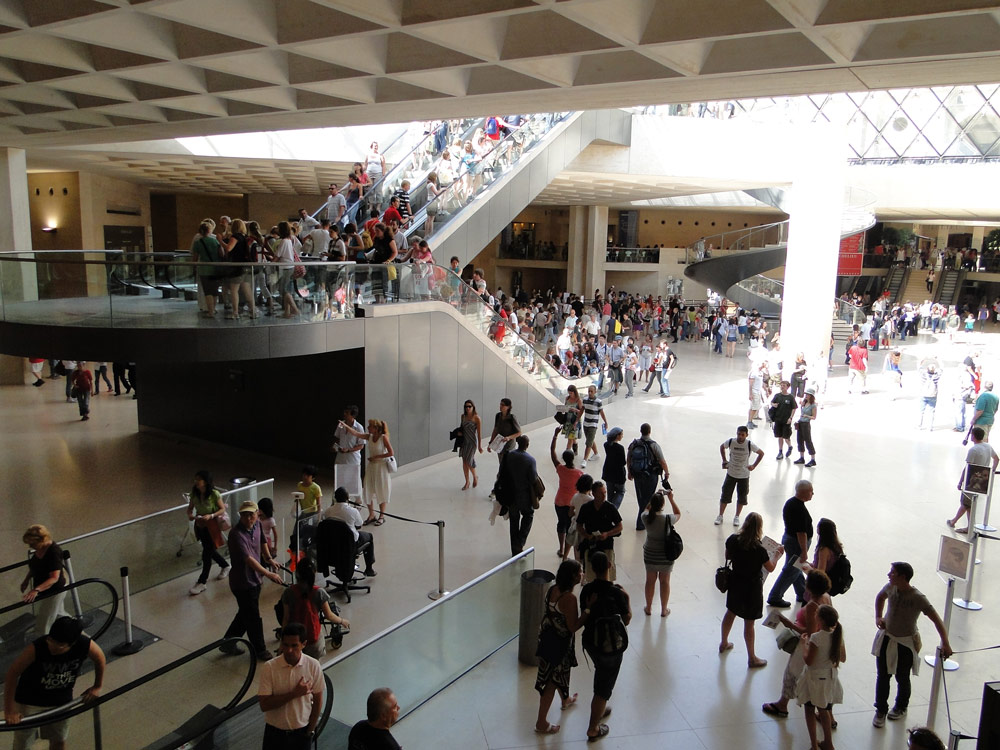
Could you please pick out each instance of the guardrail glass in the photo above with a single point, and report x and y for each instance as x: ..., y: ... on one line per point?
x: 143, y: 714
x: 432, y: 648
x: 773, y: 290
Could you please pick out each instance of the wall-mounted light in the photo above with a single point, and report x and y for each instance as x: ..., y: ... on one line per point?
x: 51, y: 228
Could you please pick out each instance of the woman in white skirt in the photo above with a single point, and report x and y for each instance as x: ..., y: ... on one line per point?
x: 819, y: 686
x: 378, y: 485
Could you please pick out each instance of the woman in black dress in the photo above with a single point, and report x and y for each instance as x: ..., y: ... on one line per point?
x: 745, y: 598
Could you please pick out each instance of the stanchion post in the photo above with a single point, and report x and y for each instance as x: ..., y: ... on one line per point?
x: 130, y: 646
x: 72, y: 579
x: 950, y: 665
x: 935, y: 687
x: 98, y: 738
x: 953, y: 739
x: 968, y: 603
x: 985, y: 525
x: 440, y: 592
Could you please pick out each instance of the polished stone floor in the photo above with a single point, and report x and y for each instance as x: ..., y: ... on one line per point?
x: 888, y: 486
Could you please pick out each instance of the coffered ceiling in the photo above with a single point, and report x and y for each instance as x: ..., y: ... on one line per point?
x: 92, y: 71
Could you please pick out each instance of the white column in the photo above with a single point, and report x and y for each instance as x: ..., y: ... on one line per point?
x: 597, y: 249
x: 817, y: 196
x: 20, y: 281
x: 578, y: 248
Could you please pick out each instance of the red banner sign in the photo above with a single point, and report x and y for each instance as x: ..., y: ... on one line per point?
x: 851, y: 255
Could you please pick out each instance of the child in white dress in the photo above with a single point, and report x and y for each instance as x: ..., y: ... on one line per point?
x: 819, y: 686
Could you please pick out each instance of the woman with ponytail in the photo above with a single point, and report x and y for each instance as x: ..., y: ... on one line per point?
x: 819, y: 687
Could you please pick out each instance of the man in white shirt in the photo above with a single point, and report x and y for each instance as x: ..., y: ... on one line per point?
x: 306, y: 223
x: 738, y: 468
x: 342, y: 510
x: 347, y: 464
x: 290, y: 694
x: 319, y: 239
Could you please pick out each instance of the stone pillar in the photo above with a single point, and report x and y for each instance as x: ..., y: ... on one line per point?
x: 588, y: 229
x: 978, y: 237
x: 597, y: 249
x: 20, y: 282
x: 817, y: 197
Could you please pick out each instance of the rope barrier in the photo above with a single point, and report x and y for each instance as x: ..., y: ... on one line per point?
x: 974, y: 650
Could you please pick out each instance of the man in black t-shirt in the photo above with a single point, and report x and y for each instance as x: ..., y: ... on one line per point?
x: 598, y: 524
x: 599, y: 600
x: 796, y: 540
x: 784, y: 408
x: 43, y: 676
x: 373, y: 734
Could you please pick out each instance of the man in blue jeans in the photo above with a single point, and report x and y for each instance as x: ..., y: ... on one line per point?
x: 796, y: 539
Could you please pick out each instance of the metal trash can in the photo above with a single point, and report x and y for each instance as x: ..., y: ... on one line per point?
x: 534, y: 585
x: 238, y: 482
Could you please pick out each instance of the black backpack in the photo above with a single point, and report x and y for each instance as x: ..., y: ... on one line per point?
x: 673, y: 545
x: 607, y: 634
x: 840, y: 576
x: 642, y: 460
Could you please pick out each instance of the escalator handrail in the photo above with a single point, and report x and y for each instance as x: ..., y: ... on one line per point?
x: 559, y: 117
x: 350, y: 215
x: 69, y: 587
x: 78, y: 707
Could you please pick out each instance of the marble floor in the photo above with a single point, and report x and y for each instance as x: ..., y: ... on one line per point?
x: 888, y: 486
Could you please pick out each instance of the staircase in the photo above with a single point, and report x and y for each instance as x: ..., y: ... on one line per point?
x: 948, y: 285
x: 841, y: 330
x: 915, y: 288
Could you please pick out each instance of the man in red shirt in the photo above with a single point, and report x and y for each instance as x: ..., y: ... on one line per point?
x: 393, y: 212
x: 858, y: 356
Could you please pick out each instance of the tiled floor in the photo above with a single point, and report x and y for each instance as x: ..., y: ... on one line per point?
x: 888, y: 486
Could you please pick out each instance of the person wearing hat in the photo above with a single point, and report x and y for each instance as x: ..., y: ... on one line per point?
x: 250, y: 561
x: 613, y: 473
x: 803, y: 427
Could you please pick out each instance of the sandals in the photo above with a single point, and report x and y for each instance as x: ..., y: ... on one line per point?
x: 368, y: 522
x: 602, y: 732
x: 570, y: 702
x: 379, y: 521
x: 771, y: 709
x: 549, y: 729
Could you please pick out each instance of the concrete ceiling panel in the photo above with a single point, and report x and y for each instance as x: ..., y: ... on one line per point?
x: 430, y: 11
x: 42, y: 13
x: 792, y: 50
x: 302, y: 20
x: 631, y: 17
x: 254, y: 20
x: 407, y: 53
x: 548, y: 33
x: 264, y: 65
x: 958, y: 35
x: 133, y: 32
x: 853, y: 11
x: 449, y: 81
x: 677, y: 22
x: 303, y: 69
x: 493, y: 79
x: 614, y: 67
x: 480, y: 37
x: 47, y: 50
x: 366, y: 53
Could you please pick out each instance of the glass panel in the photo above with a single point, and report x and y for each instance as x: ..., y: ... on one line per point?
x: 76, y: 292
x: 963, y: 103
x: 441, y: 643
x: 899, y: 95
x: 962, y: 146
x: 920, y: 149
x: 942, y: 92
x: 900, y: 132
x: 941, y: 130
x: 879, y: 107
x: 988, y: 90
x: 984, y: 129
x: 920, y: 105
x: 156, y: 548
x: 880, y: 149
x: 839, y: 109
x: 860, y: 133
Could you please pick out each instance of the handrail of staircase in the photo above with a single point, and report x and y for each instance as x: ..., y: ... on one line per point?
x: 451, y: 194
x: 392, y: 173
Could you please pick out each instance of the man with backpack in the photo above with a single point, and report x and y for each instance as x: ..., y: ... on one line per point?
x: 645, y: 463
x: 606, y: 613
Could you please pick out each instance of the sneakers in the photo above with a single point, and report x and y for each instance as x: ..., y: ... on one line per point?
x: 799, y: 461
x: 222, y: 573
x: 583, y: 464
x: 736, y: 520
x: 788, y: 452
x: 370, y: 573
x: 198, y: 588
x: 779, y: 604
x: 896, y: 713
x: 718, y: 520
x: 812, y: 462
x: 780, y: 456
x: 231, y: 649
x: 879, y: 721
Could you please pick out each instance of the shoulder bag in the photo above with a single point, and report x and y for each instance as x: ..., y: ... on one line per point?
x: 722, y: 575
x: 391, y: 465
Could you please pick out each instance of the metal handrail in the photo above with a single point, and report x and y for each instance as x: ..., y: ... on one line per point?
x: 70, y: 587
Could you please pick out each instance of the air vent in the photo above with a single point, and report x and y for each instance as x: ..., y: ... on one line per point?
x: 124, y: 210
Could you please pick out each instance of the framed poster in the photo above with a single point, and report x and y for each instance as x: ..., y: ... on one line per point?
x: 954, y: 557
x: 977, y: 479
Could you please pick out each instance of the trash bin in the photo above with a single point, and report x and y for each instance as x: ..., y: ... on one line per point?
x: 534, y: 585
x: 238, y: 482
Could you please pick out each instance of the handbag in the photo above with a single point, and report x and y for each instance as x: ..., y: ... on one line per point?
x: 722, y: 575
x: 787, y: 640
x: 224, y: 523
x: 390, y: 462
x: 299, y: 270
